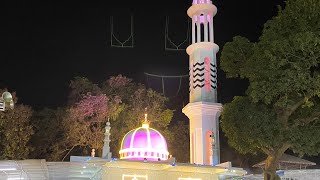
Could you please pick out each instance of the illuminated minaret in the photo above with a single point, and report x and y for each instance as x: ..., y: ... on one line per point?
x: 203, y: 109
x: 106, y: 154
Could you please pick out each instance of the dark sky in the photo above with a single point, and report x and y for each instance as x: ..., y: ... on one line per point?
x: 45, y: 45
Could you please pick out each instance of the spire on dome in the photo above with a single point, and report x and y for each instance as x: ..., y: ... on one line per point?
x: 145, y: 123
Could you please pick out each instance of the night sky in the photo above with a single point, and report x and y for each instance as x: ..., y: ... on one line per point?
x: 45, y: 45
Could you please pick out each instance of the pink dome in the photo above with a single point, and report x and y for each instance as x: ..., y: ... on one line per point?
x: 144, y: 142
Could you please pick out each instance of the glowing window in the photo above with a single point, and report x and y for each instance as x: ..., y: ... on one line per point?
x: 134, y: 177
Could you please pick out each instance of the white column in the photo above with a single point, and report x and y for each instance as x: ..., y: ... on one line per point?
x: 203, y: 118
x: 205, y: 25
x: 193, y: 29
x: 211, y: 28
x: 198, y: 29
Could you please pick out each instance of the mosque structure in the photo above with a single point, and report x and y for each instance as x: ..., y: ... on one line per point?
x: 203, y: 109
x: 144, y: 143
x: 144, y: 154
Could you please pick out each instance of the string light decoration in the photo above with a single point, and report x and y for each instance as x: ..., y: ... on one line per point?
x: 163, y: 77
x: 115, y: 42
x: 168, y: 41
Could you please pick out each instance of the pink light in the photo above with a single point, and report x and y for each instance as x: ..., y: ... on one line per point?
x: 144, y: 142
x: 207, y: 73
x: 202, y: 2
x: 139, y: 140
x: 202, y: 19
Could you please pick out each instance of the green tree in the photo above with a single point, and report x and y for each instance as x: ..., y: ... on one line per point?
x: 80, y: 86
x: 178, y: 142
x: 47, y: 124
x: 281, y: 108
x: 15, y: 131
x: 135, y: 98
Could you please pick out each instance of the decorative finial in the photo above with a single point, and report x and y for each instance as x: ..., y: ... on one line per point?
x: 145, y: 115
x: 108, y: 122
x: 145, y: 123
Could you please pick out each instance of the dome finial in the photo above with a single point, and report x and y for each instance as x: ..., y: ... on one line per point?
x: 145, y: 115
x: 145, y: 123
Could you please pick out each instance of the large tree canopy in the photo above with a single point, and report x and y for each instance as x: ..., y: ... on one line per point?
x: 118, y: 99
x: 281, y: 108
x: 15, y: 131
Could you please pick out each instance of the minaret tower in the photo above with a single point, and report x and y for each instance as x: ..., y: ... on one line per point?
x: 203, y: 109
x: 106, y: 154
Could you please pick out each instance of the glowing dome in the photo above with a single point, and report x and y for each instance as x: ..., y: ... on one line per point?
x: 144, y: 142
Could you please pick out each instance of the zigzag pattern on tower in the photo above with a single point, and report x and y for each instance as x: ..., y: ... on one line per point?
x: 198, y: 73
x: 213, y: 76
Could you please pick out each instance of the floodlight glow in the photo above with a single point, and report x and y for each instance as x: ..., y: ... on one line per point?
x: 7, y: 97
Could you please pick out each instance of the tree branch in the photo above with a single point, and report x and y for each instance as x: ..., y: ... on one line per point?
x: 287, y: 112
x: 296, y: 105
x: 307, y: 120
x: 266, y: 151
x: 299, y: 57
x: 67, y: 153
x: 283, y: 148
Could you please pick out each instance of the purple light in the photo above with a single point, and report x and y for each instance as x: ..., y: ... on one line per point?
x: 140, y: 140
x: 202, y: 18
x: 202, y: 2
x: 144, y: 142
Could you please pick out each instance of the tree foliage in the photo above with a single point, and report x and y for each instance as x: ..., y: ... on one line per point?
x: 48, y: 127
x: 135, y: 99
x: 118, y: 99
x: 178, y: 142
x: 15, y: 132
x: 281, y: 109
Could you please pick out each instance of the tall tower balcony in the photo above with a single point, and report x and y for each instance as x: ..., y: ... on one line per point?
x: 202, y: 12
x: 202, y: 52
